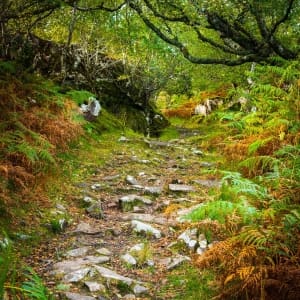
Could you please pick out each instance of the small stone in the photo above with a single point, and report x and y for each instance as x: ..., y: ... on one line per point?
x: 95, y: 210
x: 203, y: 244
x: 96, y: 186
x: 181, y: 188
x: 94, y: 286
x: 109, y: 274
x: 137, y: 247
x: 103, y: 251
x: 88, y: 199
x: 78, y: 252
x: 131, y: 180
x: 205, y: 164
x: 75, y: 296
x: 150, y: 262
x: 111, y: 178
x: 129, y: 259
x: 153, y: 190
x: 192, y: 244
x: 135, y: 198
x: 87, y: 229
x: 68, y: 266
x: 188, y: 235
x: 197, y: 152
x: 76, y: 275
x: 139, y: 289
x: 129, y: 297
x: 176, y: 261
x: 146, y: 228
x: 200, y: 251
x: 123, y: 139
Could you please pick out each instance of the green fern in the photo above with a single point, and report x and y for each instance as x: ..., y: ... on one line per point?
x: 242, y: 185
x: 219, y: 210
x: 262, y: 163
x: 34, y: 287
x: 258, y: 144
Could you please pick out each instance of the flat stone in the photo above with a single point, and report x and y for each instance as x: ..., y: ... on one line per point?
x: 78, y: 252
x: 146, y: 218
x: 129, y: 259
x: 133, y: 198
x: 176, y: 261
x: 68, y: 266
x: 76, y: 276
x: 205, y: 164
x: 129, y: 297
x: 86, y: 228
x: 110, y: 274
x: 146, y: 228
x: 75, y: 296
x: 111, y: 178
x: 94, y: 286
x: 139, y: 289
x: 103, y: 251
x: 181, y: 188
x: 131, y: 180
x: 153, y: 190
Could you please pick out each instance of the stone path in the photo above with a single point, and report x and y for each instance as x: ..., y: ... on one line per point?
x: 128, y: 236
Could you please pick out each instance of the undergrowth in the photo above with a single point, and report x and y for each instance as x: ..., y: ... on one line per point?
x: 258, y: 253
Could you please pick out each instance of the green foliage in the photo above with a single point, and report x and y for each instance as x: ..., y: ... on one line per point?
x: 243, y: 186
x: 34, y: 288
x: 188, y: 283
x: 7, y: 67
x: 80, y: 96
x: 220, y: 210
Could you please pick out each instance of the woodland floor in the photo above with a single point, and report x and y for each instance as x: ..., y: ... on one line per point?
x: 152, y: 164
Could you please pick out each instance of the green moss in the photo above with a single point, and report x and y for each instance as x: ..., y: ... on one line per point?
x: 188, y: 283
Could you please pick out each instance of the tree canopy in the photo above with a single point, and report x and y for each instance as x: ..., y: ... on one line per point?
x: 237, y: 31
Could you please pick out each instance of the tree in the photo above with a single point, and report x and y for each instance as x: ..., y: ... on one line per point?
x: 239, y: 31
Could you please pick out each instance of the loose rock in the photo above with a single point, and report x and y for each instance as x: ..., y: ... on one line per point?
x: 146, y: 228
x: 94, y: 286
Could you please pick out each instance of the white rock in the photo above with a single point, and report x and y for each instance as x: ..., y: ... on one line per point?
x: 94, y: 286
x: 143, y: 227
x: 109, y: 274
x: 129, y: 259
x: 76, y: 276
x: 103, y: 251
x: 181, y: 188
x: 68, y: 266
x: 78, y: 251
x: 177, y: 261
x: 139, y: 289
x: 75, y: 296
x: 131, y: 180
x: 192, y: 244
x: 203, y: 244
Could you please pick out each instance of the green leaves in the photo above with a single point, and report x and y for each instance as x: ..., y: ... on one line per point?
x: 34, y: 287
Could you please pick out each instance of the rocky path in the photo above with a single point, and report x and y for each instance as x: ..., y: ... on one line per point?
x: 129, y: 234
